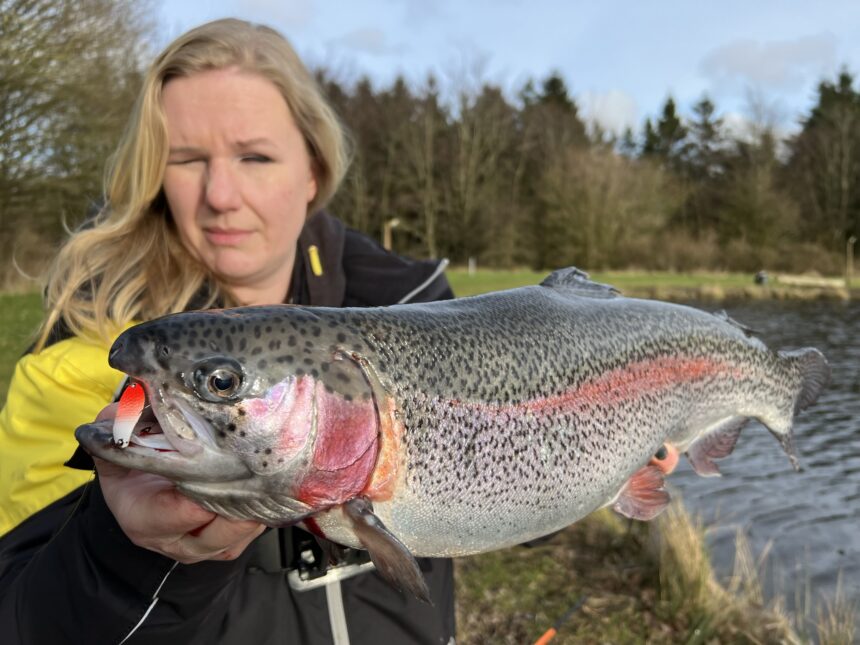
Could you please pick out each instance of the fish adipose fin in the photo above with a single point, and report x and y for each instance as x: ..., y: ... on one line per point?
x: 716, y: 444
x: 724, y: 316
x: 643, y: 496
x: 573, y: 279
x: 392, y: 559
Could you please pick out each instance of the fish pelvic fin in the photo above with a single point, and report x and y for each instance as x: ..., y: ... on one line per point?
x: 643, y: 496
x: 576, y: 280
x: 717, y: 444
x: 392, y: 559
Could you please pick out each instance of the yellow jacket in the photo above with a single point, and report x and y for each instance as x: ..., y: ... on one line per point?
x: 51, y: 394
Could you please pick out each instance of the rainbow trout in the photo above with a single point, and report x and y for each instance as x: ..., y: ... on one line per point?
x: 448, y: 428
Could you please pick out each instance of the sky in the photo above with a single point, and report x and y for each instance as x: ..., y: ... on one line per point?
x: 757, y: 60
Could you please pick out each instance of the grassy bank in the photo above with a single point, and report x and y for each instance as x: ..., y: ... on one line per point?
x: 638, y: 582
x: 20, y: 314
x: 661, y: 286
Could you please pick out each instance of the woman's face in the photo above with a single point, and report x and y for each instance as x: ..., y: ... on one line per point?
x: 238, y: 179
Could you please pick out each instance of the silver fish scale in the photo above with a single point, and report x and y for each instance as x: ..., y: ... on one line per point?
x: 478, y: 474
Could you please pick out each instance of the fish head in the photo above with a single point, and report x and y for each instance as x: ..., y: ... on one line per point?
x: 264, y: 413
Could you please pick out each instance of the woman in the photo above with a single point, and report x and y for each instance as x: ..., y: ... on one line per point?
x: 214, y: 198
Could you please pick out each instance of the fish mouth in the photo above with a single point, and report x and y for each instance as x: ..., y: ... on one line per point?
x: 168, y: 438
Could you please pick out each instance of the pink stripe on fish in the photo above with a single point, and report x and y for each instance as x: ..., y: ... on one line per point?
x: 629, y: 382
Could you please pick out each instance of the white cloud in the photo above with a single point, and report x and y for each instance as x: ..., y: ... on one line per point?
x: 286, y: 15
x: 613, y: 111
x: 368, y: 40
x: 776, y: 65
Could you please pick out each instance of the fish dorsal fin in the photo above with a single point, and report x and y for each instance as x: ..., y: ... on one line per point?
x: 643, y: 496
x: 716, y: 444
x: 724, y: 316
x: 392, y: 559
x: 576, y: 280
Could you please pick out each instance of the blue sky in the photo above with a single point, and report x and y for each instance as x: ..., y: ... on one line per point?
x: 620, y: 59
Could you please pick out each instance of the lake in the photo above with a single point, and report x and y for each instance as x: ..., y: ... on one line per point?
x: 812, y: 518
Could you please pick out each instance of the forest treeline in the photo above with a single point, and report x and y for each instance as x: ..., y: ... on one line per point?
x: 465, y: 171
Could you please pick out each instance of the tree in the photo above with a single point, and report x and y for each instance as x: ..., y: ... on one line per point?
x: 665, y: 141
x: 68, y: 75
x: 824, y: 168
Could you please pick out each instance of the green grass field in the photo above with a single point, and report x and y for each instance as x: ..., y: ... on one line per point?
x: 20, y: 315
x: 490, y: 280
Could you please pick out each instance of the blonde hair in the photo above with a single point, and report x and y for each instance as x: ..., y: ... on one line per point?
x: 128, y: 263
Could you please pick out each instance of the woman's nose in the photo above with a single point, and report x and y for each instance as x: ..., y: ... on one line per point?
x: 222, y: 189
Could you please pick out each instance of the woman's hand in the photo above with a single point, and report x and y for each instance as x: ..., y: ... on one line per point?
x: 155, y: 516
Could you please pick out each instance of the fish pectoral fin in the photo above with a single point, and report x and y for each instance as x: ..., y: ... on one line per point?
x: 392, y: 559
x: 643, y: 496
x: 716, y: 444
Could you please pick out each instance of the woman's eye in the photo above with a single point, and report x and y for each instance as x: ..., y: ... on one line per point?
x: 182, y: 162
x: 256, y: 158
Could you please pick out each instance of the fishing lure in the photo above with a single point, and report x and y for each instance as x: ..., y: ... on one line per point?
x: 127, y: 414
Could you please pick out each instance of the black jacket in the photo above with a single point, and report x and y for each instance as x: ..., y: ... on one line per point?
x: 68, y: 574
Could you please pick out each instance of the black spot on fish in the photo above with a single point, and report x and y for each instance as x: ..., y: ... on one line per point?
x: 256, y: 351
x: 232, y: 426
x: 315, y: 373
x: 317, y: 331
x: 300, y: 372
x: 268, y: 329
x: 240, y: 411
x: 228, y: 343
x: 268, y: 451
x: 242, y: 344
x: 308, y: 361
x: 241, y: 433
x: 219, y: 333
x: 291, y: 341
x: 257, y: 332
x: 265, y: 464
x: 341, y: 337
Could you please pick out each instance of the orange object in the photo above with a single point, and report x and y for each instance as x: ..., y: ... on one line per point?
x: 547, y: 636
x: 666, y: 458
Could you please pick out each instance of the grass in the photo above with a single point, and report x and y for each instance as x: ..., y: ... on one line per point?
x: 20, y: 315
x: 644, y: 284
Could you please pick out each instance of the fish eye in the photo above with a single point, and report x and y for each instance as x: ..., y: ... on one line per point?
x: 217, y: 379
x: 223, y: 382
x: 661, y: 454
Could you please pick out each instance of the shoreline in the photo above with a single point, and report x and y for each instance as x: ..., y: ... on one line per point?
x: 706, y: 287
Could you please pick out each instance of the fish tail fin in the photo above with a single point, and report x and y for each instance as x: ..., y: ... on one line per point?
x: 813, y: 374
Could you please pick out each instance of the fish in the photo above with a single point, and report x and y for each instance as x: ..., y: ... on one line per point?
x: 447, y: 428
